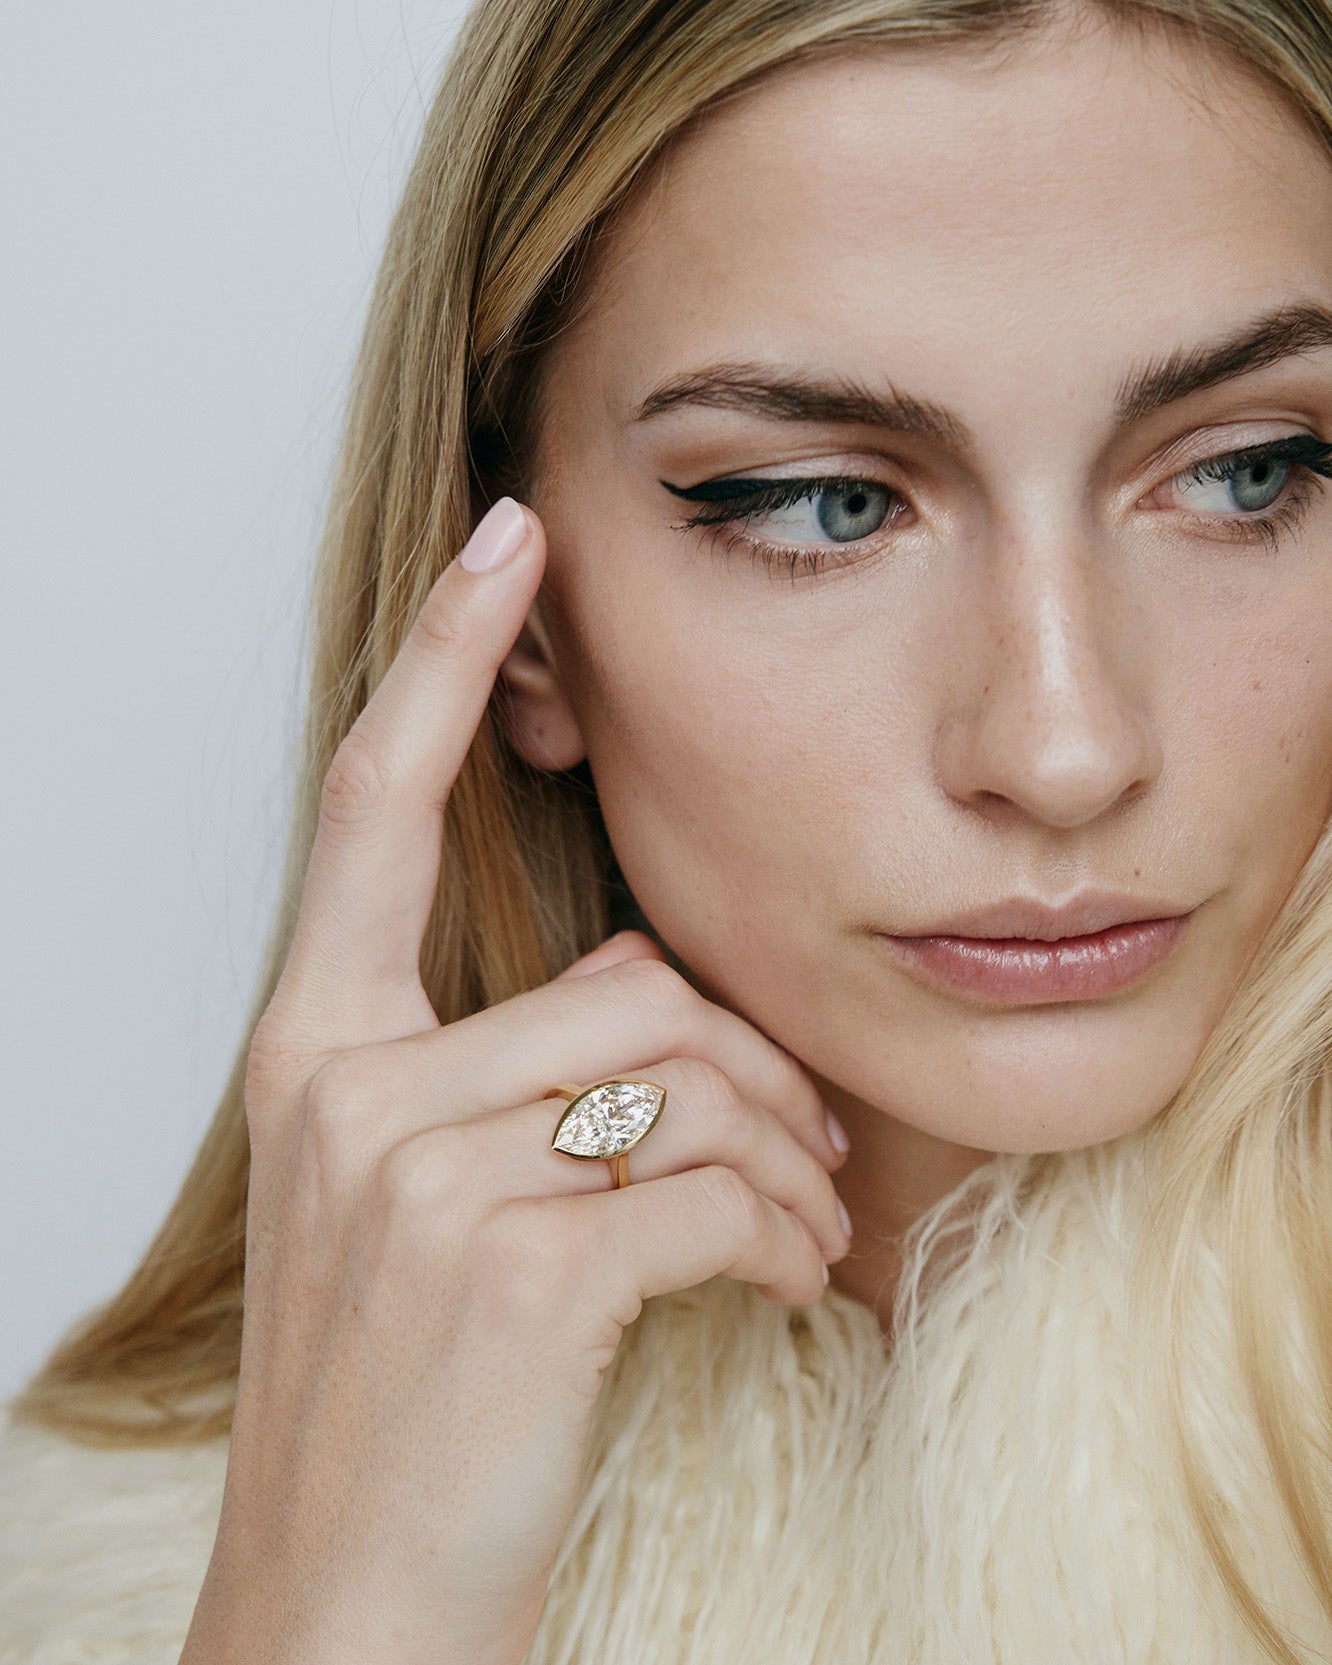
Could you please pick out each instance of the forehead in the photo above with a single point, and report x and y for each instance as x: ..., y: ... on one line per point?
x: 877, y: 211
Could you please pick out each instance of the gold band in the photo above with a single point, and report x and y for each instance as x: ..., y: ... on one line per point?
x: 611, y: 1119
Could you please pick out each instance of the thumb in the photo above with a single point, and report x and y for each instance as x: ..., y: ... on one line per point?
x: 624, y: 945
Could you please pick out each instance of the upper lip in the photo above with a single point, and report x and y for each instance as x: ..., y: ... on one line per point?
x: 1036, y: 921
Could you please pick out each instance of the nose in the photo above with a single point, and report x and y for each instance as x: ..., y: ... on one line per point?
x: 1046, y: 685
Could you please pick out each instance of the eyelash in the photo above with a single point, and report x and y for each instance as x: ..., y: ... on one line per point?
x: 737, y: 500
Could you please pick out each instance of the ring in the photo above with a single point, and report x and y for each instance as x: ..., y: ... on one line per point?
x: 605, y: 1122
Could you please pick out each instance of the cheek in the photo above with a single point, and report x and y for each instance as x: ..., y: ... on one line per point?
x: 727, y: 775
x: 1248, y: 730
x: 708, y: 764
x: 1255, y: 731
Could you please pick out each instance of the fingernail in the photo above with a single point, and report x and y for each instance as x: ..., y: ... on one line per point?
x: 498, y: 534
x: 845, y: 1217
x: 825, y: 1274
x: 837, y: 1133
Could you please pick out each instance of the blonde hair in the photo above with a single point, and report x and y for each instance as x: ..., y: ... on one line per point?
x: 546, y: 115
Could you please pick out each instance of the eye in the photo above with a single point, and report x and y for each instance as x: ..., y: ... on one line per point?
x: 1251, y: 480
x: 842, y: 511
x: 802, y: 513
x: 1253, y: 487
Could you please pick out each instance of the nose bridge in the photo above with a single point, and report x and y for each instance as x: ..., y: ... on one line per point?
x: 1050, y: 714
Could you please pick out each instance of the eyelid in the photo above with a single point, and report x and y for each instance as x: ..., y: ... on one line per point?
x: 1299, y: 445
x: 729, y: 494
x: 827, y: 470
x: 743, y: 499
x: 737, y: 499
x: 1303, y: 449
x: 1300, y: 450
x: 744, y: 488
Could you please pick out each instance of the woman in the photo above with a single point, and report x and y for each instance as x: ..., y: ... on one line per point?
x: 886, y: 445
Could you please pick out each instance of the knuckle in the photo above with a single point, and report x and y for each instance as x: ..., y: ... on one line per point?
x: 272, y: 1065
x: 747, y: 1130
x: 658, y: 986
x: 716, y: 1101
x: 334, y: 1095
x: 533, y: 1255
x: 417, y: 1215
x: 354, y: 784
x: 439, y: 628
x: 730, y: 1199
x: 333, y: 1123
x: 411, y: 1179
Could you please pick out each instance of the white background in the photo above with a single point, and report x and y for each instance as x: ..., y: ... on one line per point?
x: 194, y: 201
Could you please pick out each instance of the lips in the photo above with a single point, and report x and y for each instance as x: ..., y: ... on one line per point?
x: 1025, y: 952
x: 1024, y: 972
x: 1031, y: 920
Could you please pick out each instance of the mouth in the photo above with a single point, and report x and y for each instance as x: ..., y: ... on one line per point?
x: 1027, y: 971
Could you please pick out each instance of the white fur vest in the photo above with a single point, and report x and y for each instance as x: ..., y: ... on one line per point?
x: 763, y: 1489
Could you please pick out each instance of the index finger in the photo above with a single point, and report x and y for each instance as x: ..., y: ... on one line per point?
x: 353, y: 967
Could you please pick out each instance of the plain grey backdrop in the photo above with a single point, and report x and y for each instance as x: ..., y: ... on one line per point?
x: 194, y: 202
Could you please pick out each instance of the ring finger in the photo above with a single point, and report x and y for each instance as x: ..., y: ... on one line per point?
x: 705, y: 1120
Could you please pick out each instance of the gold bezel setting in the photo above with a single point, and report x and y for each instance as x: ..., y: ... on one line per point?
x: 602, y: 1123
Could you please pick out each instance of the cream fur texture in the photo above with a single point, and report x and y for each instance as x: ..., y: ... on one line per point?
x: 766, y: 1487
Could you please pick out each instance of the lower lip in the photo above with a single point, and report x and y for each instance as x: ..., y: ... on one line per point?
x: 1015, y: 971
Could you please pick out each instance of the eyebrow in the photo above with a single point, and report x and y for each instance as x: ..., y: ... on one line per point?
x: 754, y: 389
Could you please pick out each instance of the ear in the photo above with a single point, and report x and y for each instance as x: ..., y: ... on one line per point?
x: 541, y: 721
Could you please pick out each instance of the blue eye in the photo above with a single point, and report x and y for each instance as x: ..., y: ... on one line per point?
x: 1253, y: 481
x: 847, y: 513
x: 1255, y: 476
x: 1254, y: 487
x: 842, y: 509
x: 805, y: 514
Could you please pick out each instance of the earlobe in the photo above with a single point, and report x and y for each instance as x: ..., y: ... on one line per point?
x: 541, y: 721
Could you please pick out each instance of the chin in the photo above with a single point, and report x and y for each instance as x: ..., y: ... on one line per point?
x: 1026, y: 1120
x: 988, y: 1082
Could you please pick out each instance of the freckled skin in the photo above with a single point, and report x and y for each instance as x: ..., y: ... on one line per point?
x: 1046, y: 677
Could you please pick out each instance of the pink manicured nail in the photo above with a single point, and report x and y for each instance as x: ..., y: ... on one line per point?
x: 498, y: 534
x: 837, y: 1133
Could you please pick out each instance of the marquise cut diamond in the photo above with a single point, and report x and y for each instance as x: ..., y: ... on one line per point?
x: 607, y: 1119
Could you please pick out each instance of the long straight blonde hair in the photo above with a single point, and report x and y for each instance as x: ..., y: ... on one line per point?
x: 546, y: 114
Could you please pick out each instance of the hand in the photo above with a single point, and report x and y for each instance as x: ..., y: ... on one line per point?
x: 432, y: 1294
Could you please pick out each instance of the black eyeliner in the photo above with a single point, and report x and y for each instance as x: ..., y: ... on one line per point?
x: 757, y: 496
x: 1306, y: 449
x: 737, y: 487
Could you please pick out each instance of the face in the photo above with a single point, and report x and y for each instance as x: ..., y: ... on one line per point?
x: 1039, y: 630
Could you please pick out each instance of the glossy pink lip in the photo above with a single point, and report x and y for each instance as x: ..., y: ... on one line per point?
x: 1088, y: 912
x: 1019, y: 971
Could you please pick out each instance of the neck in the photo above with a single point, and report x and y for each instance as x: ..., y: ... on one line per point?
x: 893, y: 1174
